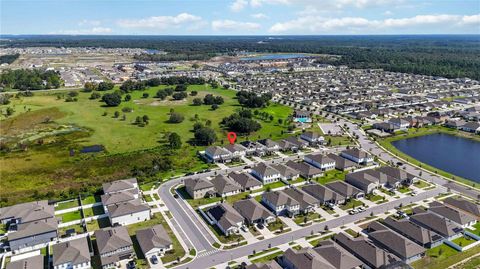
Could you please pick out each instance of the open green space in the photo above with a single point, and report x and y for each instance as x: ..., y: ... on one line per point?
x: 70, y: 216
x: 404, y: 189
x: 50, y: 128
x: 352, y: 232
x: 67, y: 205
x: 267, y: 258
x: 473, y: 263
x: 276, y: 225
x: 443, y: 256
x: 476, y: 229
x: 262, y: 252
x: 415, y: 132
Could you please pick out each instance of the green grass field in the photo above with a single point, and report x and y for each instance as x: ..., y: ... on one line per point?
x: 53, y: 127
x: 70, y: 216
x: 442, y: 257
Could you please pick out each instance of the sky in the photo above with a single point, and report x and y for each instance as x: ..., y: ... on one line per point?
x: 239, y: 17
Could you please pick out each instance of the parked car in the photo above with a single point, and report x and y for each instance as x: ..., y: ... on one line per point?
x: 260, y: 226
x: 131, y: 265
x: 154, y: 259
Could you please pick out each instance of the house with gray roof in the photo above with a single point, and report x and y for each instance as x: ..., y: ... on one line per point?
x: 341, y: 163
x: 307, y: 202
x: 320, y: 161
x: 323, y: 194
x: 33, y: 233
x: 286, y: 173
x: 363, y: 181
x: 225, y: 186
x: 397, y: 244
x: 246, y: 181
x: 127, y: 213
x: 26, y: 212
x: 312, y: 138
x: 154, y: 241
x: 346, y: 190
x: 398, y: 175
x: 114, y: 245
x: 225, y: 217
x: 418, y: 234
x: 281, y: 203
x: 218, y: 154
x: 237, y: 150
x: 270, y: 145
x: 305, y: 170
x: 366, y: 251
x: 72, y: 254
x: 265, y: 173
x: 463, y: 205
x: 33, y: 262
x: 460, y: 218
x: 267, y: 265
x: 441, y: 225
x: 253, y: 211
x: 357, y: 155
x: 119, y: 197
x: 305, y: 258
x: 120, y: 185
x: 336, y: 255
x: 199, y: 188
x: 296, y: 142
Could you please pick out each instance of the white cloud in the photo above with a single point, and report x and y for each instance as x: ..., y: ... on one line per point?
x: 238, y: 5
x: 259, y: 16
x: 238, y: 26
x: 388, y: 13
x: 89, y: 23
x: 91, y: 31
x: 317, y: 24
x: 161, y: 22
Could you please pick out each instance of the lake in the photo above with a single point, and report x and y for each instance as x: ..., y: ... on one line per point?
x: 456, y: 155
x: 275, y: 56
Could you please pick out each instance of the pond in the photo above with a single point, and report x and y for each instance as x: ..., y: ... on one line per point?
x: 275, y: 56
x: 457, y: 155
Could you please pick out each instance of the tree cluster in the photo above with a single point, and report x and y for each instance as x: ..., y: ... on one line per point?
x: 252, y: 100
x: 30, y: 79
x: 241, y: 122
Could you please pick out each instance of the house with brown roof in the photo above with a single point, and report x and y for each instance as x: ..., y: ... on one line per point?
x: 305, y: 170
x: 463, y: 205
x: 33, y: 262
x: 460, y: 218
x: 154, y: 241
x: 357, y: 155
x: 346, y: 190
x: 265, y: 173
x: 267, y: 265
x: 307, y: 202
x: 114, y: 245
x: 320, y: 161
x: 336, y: 255
x: 26, y: 212
x: 246, y: 181
x: 225, y: 217
x: 224, y: 186
x: 305, y: 258
x: 341, y: 163
x: 281, y: 203
x: 441, y: 225
x: 418, y: 234
x: 286, y: 173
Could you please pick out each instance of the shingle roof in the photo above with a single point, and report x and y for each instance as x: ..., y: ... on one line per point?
x: 118, y: 197
x: 357, y: 153
x: 278, y: 198
x: 252, y: 210
x: 436, y: 223
x: 153, y: 237
x: 245, y: 180
x: 224, y: 184
x: 306, y: 258
x: 74, y: 251
x: 34, y: 262
x: 336, y: 255
x: 412, y: 230
x: 197, y: 183
x: 464, y: 205
x: 268, y: 265
x: 322, y: 193
x: 225, y: 215
x: 320, y: 158
x: 450, y: 213
x: 304, y: 169
x: 340, y: 162
x: 119, y: 185
x: 265, y: 170
x: 305, y: 200
x: 126, y: 208
x: 34, y: 228
x: 111, y: 239
x: 285, y: 171
x: 27, y: 212
x: 343, y: 188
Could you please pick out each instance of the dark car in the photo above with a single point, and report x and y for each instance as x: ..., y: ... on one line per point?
x: 399, y: 163
x: 175, y: 196
x: 154, y: 259
x: 131, y: 265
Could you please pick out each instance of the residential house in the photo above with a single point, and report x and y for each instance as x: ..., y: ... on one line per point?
x: 246, y: 181
x: 265, y: 173
x: 305, y: 258
x: 298, y: 143
x: 254, y: 148
x: 120, y: 186
x: 418, y: 234
x: 399, y: 123
x: 199, y: 188
x: 366, y: 251
x: 225, y: 217
x: 31, y: 234
x: 336, y: 255
x: 471, y: 127
x: 341, y: 163
x: 253, y: 211
x: 281, y: 203
x: 26, y: 212
x: 312, y: 138
x: 320, y: 161
x: 398, y: 175
x: 270, y: 145
x: 32, y: 262
x: 114, y: 245
x: 126, y: 213
x: 225, y: 186
x: 463, y: 205
x: 154, y: 241
x: 346, y: 190
x: 357, y: 156
x: 442, y: 226
x: 323, y: 194
x: 218, y: 154
x: 402, y: 247
x: 268, y: 265
x: 73, y: 254
x: 286, y: 173
x: 305, y: 170
x: 237, y: 151
x: 307, y: 202
x: 363, y: 181
x: 460, y: 218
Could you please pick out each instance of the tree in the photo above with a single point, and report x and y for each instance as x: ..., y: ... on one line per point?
x: 205, y: 136
x: 145, y: 119
x: 161, y: 94
x: 209, y: 99
x: 176, y: 118
x: 179, y: 95
x: 214, y: 107
x: 72, y: 93
x: 181, y: 88
x: 193, y: 93
x: 195, y: 66
x: 95, y: 95
x: 116, y: 114
x: 127, y: 98
x: 280, y: 121
x: 112, y: 99
x: 9, y: 112
x: 145, y: 95
x: 105, y: 86
x: 218, y: 100
x: 175, y: 141
x: 197, y: 125
x: 89, y: 87
x: 197, y: 101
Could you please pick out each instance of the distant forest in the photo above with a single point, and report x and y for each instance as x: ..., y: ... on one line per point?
x: 8, y: 58
x: 449, y: 56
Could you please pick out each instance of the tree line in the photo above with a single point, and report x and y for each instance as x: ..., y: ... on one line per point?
x: 30, y: 79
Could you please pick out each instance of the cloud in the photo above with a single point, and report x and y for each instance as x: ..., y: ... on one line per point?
x: 317, y: 24
x: 161, y: 22
x: 91, y: 31
x: 259, y: 16
x: 229, y: 25
x: 388, y: 13
x: 238, y: 5
x: 89, y: 23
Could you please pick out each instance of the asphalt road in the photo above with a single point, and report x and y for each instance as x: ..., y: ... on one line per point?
x: 227, y: 255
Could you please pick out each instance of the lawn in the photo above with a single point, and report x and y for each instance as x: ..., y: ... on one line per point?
x: 98, y: 224
x: 464, y: 241
x: 67, y: 205
x: 351, y: 204
x: 443, y: 256
x: 267, y: 257
x: 77, y: 227
x: 91, y: 200
x: 276, y: 225
x: 352, y: 232
x: 404, y: 189
x: 48, y: 168
x: 374, y: 198
x: 330, y: 176
x: 70, y: 216
x: 421, y: 184
x: 300, y: 219
x: 93, y: 211
x: 476, y: 229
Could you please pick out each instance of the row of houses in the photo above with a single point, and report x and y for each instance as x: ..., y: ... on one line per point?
x: 261, y: 147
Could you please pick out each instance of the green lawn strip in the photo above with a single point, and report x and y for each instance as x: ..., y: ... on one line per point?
x: 443, y: 256
x: 351, y: 204
x: 77, y: 227
x: 387, y: 192
x: 230, y: 239
x: 404, y: 189
x: 148, y: 198
x: 421, y: 184
x: 70, y: 216
x: 93, y: 211
x: 67, y: 205
x: 463, y: 241
x: 330, y: 176
x: 155, y: 195
x: 374, y: 198
x: 276, y: 225
x: 91, y: 200
x: 476, y: 229
x: 262, y: 252
x: 473, y: 263
x: 333, y: 140
x: 177, y: 250
x: 147, y: 186
x: 351, y: 232
x: 315, y: 242
x: 303, y: 219
x: 97, y: 224
x: 267, y: 257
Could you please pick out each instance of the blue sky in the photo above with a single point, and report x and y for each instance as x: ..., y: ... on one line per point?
x: 239, y: 17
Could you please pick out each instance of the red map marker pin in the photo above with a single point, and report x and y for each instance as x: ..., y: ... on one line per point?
x: 232, y: 137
